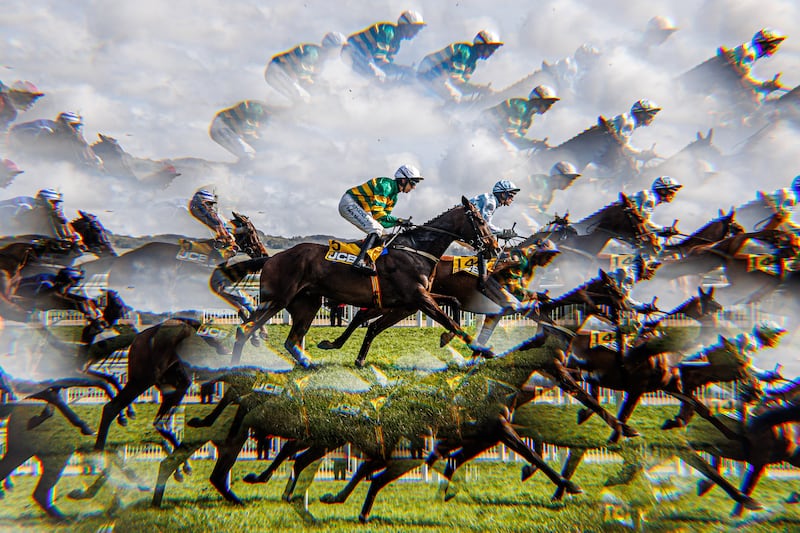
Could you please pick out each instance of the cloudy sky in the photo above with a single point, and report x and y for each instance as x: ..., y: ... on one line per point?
x: 153, y: 74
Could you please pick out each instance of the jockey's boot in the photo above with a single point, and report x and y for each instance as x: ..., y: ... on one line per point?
x: 362, y: 261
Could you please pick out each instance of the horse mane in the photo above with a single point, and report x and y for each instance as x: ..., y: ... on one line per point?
x: 597, y: 280
x: 437, y: 217
x: 591, y: 219
x: 699, y: 231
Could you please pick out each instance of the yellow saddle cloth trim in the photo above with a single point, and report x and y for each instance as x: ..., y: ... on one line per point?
x: 194, y: 246
x: 469, y: 264
x: 346, y: 252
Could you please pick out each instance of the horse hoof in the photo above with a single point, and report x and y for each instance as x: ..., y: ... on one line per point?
x: 122, y: 421
x: 583, y: 415
x: 572, y: 488
x: 629, y: 431
x: 77, y: 494
x: 445, y: 338
x: 527, y: 472
x: 131, y: 413
x: 187, y: 468
x: 671, y: 424
x: 195, y: 423
x: 751, y: 505
x: 328, y: 498
x: 86, y: 430
x: 178, y: 475
x: 363, y: 519
x: 255, y: 478
x: 254, y: 341
x: 325, y: 345
x: 703, y: 486
x: 360, y: 363
x: 614, y: 437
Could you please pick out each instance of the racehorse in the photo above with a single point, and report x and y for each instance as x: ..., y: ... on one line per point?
x: 13, y: 258
x: 153, y: 360
x: 459, y: 287
x: 581, y: 242
x: 117, y: 162
x: 298, y: 278
x: 723, y: 226
x: 645, y: 367
x: 45, y: 139
x: 172, y: 275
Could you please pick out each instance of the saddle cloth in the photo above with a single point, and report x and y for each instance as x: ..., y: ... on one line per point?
x: 346, y: 252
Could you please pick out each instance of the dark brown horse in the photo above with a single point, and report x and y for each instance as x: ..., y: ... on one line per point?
x: 153, y: 360
x: 723, y: 226
x: 646, y: 367
x: 298, y: 278
x: 13, y: 258
x: 581, y: 242
x: 772, y: 435
x: 459, y: 287
x: 164, y: 276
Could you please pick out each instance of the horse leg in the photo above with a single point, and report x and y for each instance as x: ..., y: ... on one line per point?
x: 310, y: 457
x: 455, y: 305
x: 490, y: 322
x: 360, y: 318
x: 389, y: 319
x: 132, y: 390
x: 693, y: 404
x: 428, y: 306
x: 751, y: 478
x: 258, y: 319
x: 176, y: 377
x: 228, y: 451
x: 698, y: 463
x: 169, y: 465
x: 584, y: 414
x: 629, y: 403
x: 52, y: 466
x: 51, y: 396
x: 705, y: 485
x: 114, y: 382
x: 212, y: 417
x: 528, y: 470
x: 365, y: 469
x: 510, y: 438
x: 289, y: 448
x: 394, y: 469
x: 570, y: 386
x: 303, y: 309
x: 574, y: 459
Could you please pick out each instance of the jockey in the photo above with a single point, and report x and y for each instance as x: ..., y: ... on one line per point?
x: 449, y: 70
x: 663, y: 190
x: 237, y: 127
x: 642, y: 113
x: 19, y: 97
x: 514, y: 116
x: 203, y: 207
x: 372, y: 50
x: 58, y: 285
x: 562, y: 175
x: 369, y: 208
x: 292, y: 73
x: 763, y: 44
x: 642, y: 269
x: 502, y: 193
x: 48, y: 202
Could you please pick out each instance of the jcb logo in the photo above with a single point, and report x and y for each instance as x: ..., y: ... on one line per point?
x: 340, y: 257
x: 269, y: 388
x: 763, y: 263
x: 207, y: 330
x: 193, y: 257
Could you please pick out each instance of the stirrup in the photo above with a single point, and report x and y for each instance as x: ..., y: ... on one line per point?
x: 365, y: 269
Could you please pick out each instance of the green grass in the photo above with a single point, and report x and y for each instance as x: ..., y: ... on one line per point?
x: 495, y: 501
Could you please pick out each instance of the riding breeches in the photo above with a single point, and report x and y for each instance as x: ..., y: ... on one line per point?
x: 224, y: 135
x: 282, y: 81
x: 357, y: 216
x: 222, y: 285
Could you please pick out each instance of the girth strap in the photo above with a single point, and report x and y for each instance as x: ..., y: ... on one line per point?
x: 418, y: 252
x: 376, y: 292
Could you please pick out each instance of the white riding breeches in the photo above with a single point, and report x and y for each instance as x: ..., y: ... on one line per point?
x: 355, y: 214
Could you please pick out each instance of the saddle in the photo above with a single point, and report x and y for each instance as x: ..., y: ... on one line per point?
x: 200, y: 252
x: 347, y: 251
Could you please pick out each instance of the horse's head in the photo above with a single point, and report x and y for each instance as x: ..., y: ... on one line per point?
x: 247, y: 238
x: 629, y: 225
x: 476, y: 231
x: 607, y: 288
x: 115, y: 308
x: 732, y: 227
x: 708, y: 305
x: 93, y: 234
